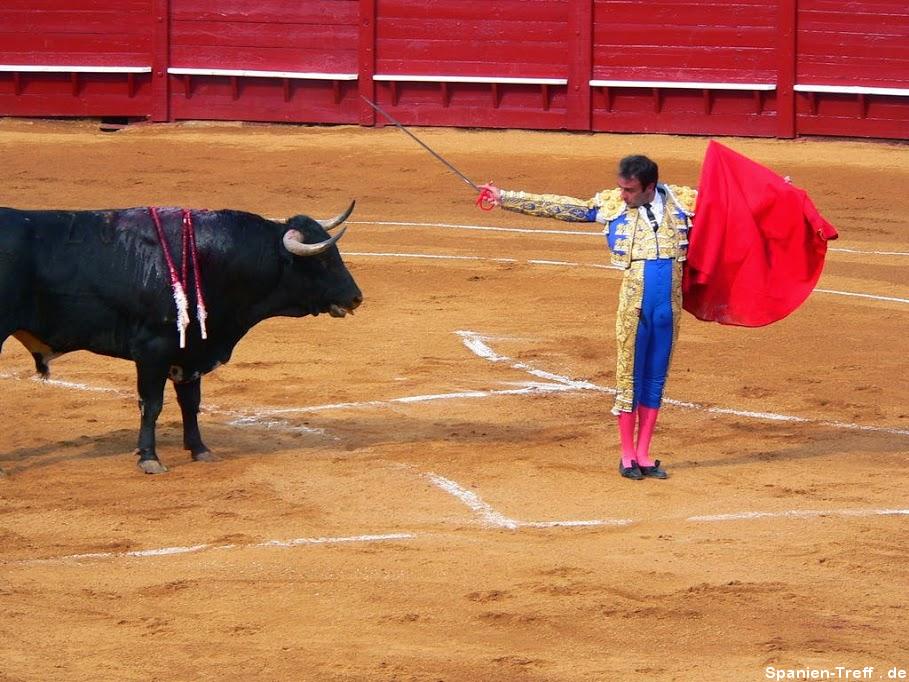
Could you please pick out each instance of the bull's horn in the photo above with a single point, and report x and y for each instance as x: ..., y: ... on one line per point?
x: 338, y: 219
x: 293, y: 242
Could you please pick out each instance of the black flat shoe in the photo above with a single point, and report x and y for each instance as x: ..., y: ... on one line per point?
x: 632, y: 472
x: 653, y: 472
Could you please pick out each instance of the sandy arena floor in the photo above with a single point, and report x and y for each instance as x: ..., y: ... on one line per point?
x: 396, y: 502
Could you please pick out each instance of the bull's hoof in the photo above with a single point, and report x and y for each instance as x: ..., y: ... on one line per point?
x: 151, y: 466
x: 205, y: 456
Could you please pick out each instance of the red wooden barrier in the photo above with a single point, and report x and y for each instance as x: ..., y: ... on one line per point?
x: 680, y: 67
x: 75, y: 57
x: 473, y: 62
x: 745, y: 67
x: 853, y: 68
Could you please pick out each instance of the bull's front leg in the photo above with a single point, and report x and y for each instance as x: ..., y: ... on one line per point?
x: 189, y: 395
x: 151, y: 380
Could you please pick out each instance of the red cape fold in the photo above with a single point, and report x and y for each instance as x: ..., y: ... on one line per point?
x: 757, y: 245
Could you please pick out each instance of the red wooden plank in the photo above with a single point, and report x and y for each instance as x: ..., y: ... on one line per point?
x: 494, y: 52
x: 98, y: 95
x: 263, y: 59
x: 70, y: 44
x: 264, y: 100
x: 868, y: 64
x: 673, y: 16
x: 473, y: 29
x: 432, y: 67
x: 855, y: 24
x: 858, y: 6
x: 882, y: 76
x: 867, y: 43
x: 707, y: 36
x: 272, y: 11
x: 712, y: 75
x: 684, y: 124
x: 528, y: 10
x: 37, y: 23
x: 681, y: 60
x: 77, y: 5
x: 69, y: 59
x: 853, y: 127
x: 234, y: 34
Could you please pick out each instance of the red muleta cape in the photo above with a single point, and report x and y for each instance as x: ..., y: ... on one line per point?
x: 757, y: 245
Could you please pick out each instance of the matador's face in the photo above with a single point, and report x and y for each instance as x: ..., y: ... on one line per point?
x: 633, y: 194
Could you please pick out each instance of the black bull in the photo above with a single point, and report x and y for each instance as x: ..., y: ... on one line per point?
x: 99, y: 281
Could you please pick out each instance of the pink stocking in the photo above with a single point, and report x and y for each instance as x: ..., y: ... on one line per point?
x: 626, y: 436
x: 645, y: 433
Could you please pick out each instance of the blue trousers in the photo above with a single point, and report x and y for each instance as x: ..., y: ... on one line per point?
x: 653, y: 342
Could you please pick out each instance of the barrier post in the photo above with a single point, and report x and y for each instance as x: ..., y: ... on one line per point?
x: 366, y: 60
x: 786, y: 68
x: 160, y: 91
x: 580, y: 64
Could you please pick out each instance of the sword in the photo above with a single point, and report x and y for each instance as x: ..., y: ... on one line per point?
x: 423, y: 144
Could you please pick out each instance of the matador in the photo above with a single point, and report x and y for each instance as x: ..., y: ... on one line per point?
x: 646, y: 225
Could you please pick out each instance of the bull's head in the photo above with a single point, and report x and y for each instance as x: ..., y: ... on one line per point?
x: 327, y: 274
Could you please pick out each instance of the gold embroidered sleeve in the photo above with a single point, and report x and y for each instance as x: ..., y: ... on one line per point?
x: 548, y: 206
x: 686, y: 196
x: 610, y: 204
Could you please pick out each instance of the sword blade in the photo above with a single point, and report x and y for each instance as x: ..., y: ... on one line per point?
x: 421, y: 143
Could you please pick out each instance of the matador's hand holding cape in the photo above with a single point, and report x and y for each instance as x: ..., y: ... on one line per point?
x: 757, y: 246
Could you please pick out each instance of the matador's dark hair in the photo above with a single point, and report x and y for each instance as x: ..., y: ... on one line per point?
x: 639, y: 167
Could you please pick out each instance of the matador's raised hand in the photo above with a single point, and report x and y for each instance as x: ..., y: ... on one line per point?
x: 490, y: 196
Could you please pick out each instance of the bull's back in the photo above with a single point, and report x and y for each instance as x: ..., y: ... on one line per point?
x: 80, y: 280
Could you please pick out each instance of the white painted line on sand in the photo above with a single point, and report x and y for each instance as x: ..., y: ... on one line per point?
x: 171, y: 551
x: 572, y: 264
x: 577, y: 524
x: 475, y: 343
x: 892, y: 299
x: 482, y: 228
x: 430, y: 256
x: 493, y: 518
x: 56, y: 383
x: 489, y: 515
x: 569, y: 233
x: 261, y: 421
x: 330, y: 541
x: 840, y: 249
x: 527, y: 388
x: 472, y: 500
x: 798, y: 514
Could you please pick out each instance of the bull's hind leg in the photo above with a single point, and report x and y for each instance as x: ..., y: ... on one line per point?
x: 151, y: 380
x: 189, y: 395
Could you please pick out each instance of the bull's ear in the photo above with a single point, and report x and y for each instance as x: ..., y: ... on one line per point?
x: 332, y: 223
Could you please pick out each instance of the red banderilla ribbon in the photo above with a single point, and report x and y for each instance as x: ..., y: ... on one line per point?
x: 179, y: 284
